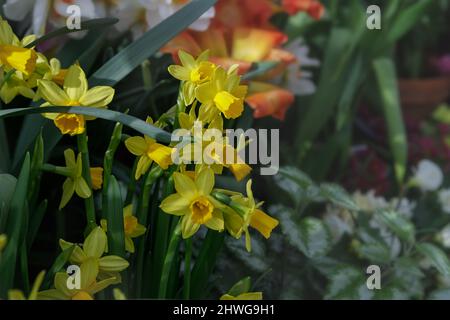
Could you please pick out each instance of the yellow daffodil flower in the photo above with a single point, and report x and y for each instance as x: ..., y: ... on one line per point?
x: 13, y: 55
x: 132, y: 228
x: 89, y: 285
x: 148, y: 150
x: 92, y: 250
x: 74, y: 93
x: 96, y: 177
x: 75, y: 182
x: 19, y: 295
x: 222, y: 94
x: 194, y: 203
x: 193, y: 72
x: 249, y: 215
x: 243, y: 296
x: 3, y: 241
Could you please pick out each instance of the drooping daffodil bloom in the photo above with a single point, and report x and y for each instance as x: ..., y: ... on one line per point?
x: 89, y: 285
x: 75, y: 92
x: 245, y: 212
x: 193, y: 72
x: 148, y: 150
x: 132, y: 228
x: 194, y: 203
x: 93, y: 248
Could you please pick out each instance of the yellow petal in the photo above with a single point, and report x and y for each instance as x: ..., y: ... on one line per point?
x: 82, y: 189
x: 68, y: 190
x: 175, y: 204
x: 98, y: 97
x: 185, y: 186
x: 216, y: 222
x: 240, y: 170
x: 136, y: 145
x: 179, y: 72
x: 52, y: 93
x: 95, y: 243
x: 69, y: 157
x: 206, y: 92
x: 263, y: 223
x: 205, y: 181
x: 186, y: 59
x: 142, y: 166
x: 88, y: 272
x: 75, y: 83
x: 188, y: 227
x: 129, y: 244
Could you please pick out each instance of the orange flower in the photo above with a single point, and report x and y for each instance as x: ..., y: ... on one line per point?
x: 269, y: 100
x: 313, y: 7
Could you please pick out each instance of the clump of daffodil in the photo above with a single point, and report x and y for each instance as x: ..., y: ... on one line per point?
x: 3, y: 241
x: 148, y: 150
x: 13, y: 55
x: 244, y: 213
x: 93, y: 248
x: 19, y: 295
x: 223, y: 94
x: 194, y: 203
x: 132, y: 228
x: 89, y: 285
x: 75, y: 92
x: 192, y: 72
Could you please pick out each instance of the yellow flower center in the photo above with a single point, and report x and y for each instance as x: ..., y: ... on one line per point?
x: 72, y: 124
x: 130, y: 223
x: 82, y: 295
x: 201, y: 209
x: 202, y: 73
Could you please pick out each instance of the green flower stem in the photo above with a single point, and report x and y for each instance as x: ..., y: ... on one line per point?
x: 109, y: 159
x: 167, y: 266
x: 63, y: 171
x: 187, y: 269
x: 151, y: 177
x: 132, y: 184
x: 89, y: 202
x: 181, y: 107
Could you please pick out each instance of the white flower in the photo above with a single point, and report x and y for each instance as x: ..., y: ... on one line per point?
x: 159, y: 10
x: 428, y: 175
x: 444, y: 200
x: 405, y: 207
x: 296, y: 80
x: 17, y: 10
x: 369, y: 202
x: 444, y: 236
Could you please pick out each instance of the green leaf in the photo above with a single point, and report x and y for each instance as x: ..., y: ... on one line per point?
x: 132, y: 56
x: 295, y: 183
x: 14, y: 225
x: 391, y: 292
x: 437, y: 257
x: 337, y: 195
x: 399, y: 225
x: 310, y: 236
x: 114, y: 215
x: 7, y: 187
x: 85, y: 25
x: 130, y: 121
x: 348, y: 283
x: 376, y: 252
x: 388, y: 89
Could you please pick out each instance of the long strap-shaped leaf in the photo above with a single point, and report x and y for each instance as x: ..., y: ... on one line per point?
x: 130, y: 121
x: 388, y: 90
x: 132, y: 56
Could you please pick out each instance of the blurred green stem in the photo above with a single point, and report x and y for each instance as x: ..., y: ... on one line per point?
x: 187, y: 269
x: 167, y: 266
x: 89, y: 202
